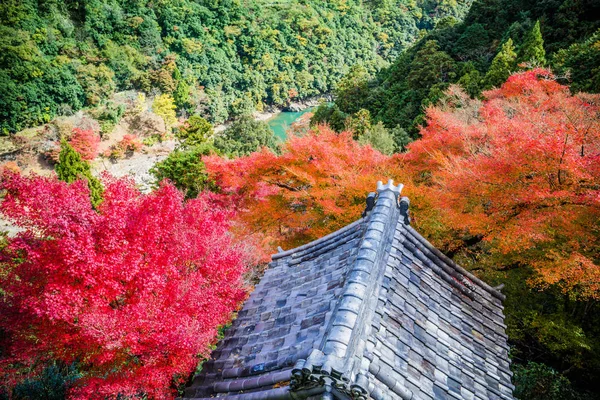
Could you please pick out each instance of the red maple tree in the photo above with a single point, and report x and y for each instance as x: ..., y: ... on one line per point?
x: 85, y: 142
x: 134, y: 292
x: 317, y: 185
x: 522, y: 171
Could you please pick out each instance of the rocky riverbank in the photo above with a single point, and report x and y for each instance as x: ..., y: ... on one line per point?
x: 313, y: 101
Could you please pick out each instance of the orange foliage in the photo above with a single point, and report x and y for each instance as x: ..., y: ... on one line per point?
x: 522, y: 172
x: 129, y: 144
x: 317, y: 185
x: 11, y: 166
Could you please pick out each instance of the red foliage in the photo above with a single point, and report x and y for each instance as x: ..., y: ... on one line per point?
x: 129, y: 144
x: 523, y: 172
x: 134, y: 292
x: 85, y: 142
x: 317, y: 185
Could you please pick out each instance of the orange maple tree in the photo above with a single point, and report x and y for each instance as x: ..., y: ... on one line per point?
x: 317, y: 185
x: 522, y: 171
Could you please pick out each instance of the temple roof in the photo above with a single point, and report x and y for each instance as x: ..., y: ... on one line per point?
x: 372, y: 311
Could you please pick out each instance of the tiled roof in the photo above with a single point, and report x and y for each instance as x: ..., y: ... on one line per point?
x: 372, y: 311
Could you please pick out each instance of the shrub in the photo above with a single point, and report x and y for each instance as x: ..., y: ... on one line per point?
x: 185, y: 169
x: 85, y: 142
x: 51, y: 384
x: 128, y: 145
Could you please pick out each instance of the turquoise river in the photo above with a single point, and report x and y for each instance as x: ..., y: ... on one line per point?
x: 280, y: 123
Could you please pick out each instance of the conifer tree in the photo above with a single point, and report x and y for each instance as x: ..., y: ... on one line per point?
x: 71, y: 167
x: 502, y: 65
x: 359, y: 123
x: 532, y: 50
x: 196, y: 131
x: 181, y: 96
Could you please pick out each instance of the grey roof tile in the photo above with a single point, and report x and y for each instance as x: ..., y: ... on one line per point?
x: 375, y: 307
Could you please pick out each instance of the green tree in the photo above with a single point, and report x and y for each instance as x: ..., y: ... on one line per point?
x: 53, y: 383
x: 471, y: 80
x: 329, y: 114
x: 186, y: 170
x: 164, y: 106
x: 379, y: 137
x: 401, y: 138
x: 71, y: 167
x: 536, y: 381
x: 502, y: 65
x: 532, y: 50
x: 352, y: 90
x: 582, y: 62
x: 430, y: 66
x: 359, y: 123
x: 181, y: 96
x: 245, y: 136
x: 473, y: 43
x: 196, y: 131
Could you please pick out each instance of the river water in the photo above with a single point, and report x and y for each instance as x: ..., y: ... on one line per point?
x: 280, y: 123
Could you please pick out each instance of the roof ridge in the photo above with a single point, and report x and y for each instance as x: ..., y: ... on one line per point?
x: 337, y: 356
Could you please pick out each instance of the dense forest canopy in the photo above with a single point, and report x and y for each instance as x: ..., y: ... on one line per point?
x: 217, y: 58
x: 495, y: 39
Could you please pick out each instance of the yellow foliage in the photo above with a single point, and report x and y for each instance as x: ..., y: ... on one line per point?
x: 164, y: 106
x: 303, y: 41
x: 192, y: 46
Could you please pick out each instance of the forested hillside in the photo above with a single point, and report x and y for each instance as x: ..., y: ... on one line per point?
x: 217, y: 58
x: 495, y: 39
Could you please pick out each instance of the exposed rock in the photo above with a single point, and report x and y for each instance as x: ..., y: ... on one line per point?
x: 137, y: 166
x: 7, y: 149
x: 299, y: 105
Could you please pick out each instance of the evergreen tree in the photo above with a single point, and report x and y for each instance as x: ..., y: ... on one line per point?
x: 196, y: 130
x: 359, y: 123
x: 379, y: 137
x: 532, y: 50
x: 71, y: 167
x: 582, y: 62
x: 181, y: 96
x: 502, y: 65
x: 471, y: 80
